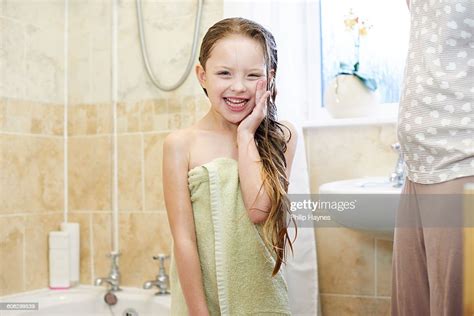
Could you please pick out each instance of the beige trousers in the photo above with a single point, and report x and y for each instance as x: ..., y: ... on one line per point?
x: 427, y: 253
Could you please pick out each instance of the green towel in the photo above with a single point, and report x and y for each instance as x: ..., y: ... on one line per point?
x: 236, y: 265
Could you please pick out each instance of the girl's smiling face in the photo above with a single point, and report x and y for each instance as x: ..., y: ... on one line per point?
x: 235, y: 65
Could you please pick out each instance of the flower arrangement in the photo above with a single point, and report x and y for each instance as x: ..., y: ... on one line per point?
x: 360, y: 28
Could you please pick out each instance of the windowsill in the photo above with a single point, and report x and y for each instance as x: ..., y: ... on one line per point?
x: 385, y: 114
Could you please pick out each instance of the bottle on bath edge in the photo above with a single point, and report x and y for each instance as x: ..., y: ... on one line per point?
x: 74, y: 251
x: 59, y: 255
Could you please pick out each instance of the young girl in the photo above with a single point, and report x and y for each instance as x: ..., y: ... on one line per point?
x: 225, y: 182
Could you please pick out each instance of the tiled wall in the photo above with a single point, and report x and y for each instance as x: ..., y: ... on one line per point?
x: 354, y: 268
x: 31, y: 142
x: 32, y: 93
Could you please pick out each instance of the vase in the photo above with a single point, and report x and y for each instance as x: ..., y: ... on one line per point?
x: 346, y: 96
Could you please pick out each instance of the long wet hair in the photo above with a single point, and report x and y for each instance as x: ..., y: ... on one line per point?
x: 269, y: 137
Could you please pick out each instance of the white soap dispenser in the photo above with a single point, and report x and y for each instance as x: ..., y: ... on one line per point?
x: 59, y: 255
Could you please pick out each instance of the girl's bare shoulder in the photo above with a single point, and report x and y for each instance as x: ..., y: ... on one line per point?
x: 182, y: 139
x: 178, y: 142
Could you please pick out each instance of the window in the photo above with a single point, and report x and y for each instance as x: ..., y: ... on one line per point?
x: 382, y: 51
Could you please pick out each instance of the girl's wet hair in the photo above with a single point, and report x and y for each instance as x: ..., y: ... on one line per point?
x: 269, y: 138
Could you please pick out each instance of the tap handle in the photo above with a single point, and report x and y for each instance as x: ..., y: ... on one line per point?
x: 162, y: 258
x: 114, y: 256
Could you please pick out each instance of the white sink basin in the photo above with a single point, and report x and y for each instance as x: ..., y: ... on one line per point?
x: 376, y: 204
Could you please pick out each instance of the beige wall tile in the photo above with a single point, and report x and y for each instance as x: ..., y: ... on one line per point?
x: 333, y: 305
x: 33, y: 117
x: 153, y: 158
x: 175, y: 121
x: 130, y: 155
x: 104, y: 118
x: 79, y: 69
x: 3, y: 108
x: 160, y: 106
x: 337, y: 153
x: 37, y: 228
x: 174, y: 106
x: 202, y: 106
x: 154, y: 116
x: 346, y: 261
x: 44, y: 61
x: 189, y: 104
x: 90, y: 119
x: 90, y: 51
x: 102, y: 239
x: 187, y: 120
x: 146, y: 115
x: 47, y: 119
x: 188, y: 115
x: 90, y: 173
x: 161, y: 122
x: 12, y: 230
x: 14, y: 43
x: 45, y: 13
x: 100, y: 76
x: 31, y: 173
x: 77, y: 120
x: 85, y: 221
x: 142, y: 236
x: 18, y: 116
x: 34, y: 49
x: 128, y: 117
x: 384, y: 267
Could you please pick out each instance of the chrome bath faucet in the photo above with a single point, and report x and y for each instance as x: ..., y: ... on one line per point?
x: 162, y: 279
x: 114, y: 276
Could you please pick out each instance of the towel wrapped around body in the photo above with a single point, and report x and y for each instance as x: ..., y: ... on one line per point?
x: 235, y: 263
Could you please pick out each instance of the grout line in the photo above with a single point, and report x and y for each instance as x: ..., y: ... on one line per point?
x: 90, y: 58
x: 23, y: 92
x: 114, y: 90
x: 142, y: 153
x: 91, y: 247
x: 123, y: 134
x: 39, y: 213
x: 33, y: 213
x: 66, y: 114
x: 31, y: 135
x: 23, y: 288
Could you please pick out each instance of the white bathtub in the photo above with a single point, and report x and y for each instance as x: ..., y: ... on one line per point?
x: 87, y: 300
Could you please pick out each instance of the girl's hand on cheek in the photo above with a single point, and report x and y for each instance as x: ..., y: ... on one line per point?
x: 252, y: 121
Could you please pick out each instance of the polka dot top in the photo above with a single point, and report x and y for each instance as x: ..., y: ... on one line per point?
x: 436, y: 117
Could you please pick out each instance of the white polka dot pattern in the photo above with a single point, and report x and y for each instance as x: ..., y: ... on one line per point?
x: 436, y: 118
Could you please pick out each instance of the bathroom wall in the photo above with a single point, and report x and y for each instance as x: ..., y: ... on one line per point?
x: 354, y: 268
x: 31, y: 142
x: 145, y: 115
x: 32, y: 96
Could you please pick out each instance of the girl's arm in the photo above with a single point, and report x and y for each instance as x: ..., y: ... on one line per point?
x: 256, y: 200
x: 180, y: 217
